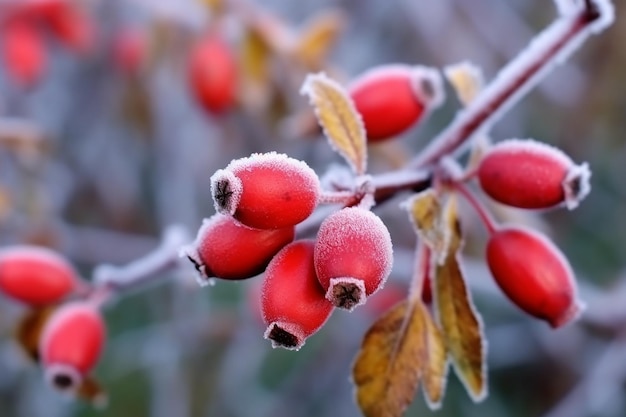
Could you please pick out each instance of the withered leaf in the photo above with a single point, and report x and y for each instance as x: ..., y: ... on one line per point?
x: 92, y: 392
x: 466, y: 79
x: 29, y: 330
x: 435, y: 365
x: 460, y: 322
x: 317, y: 37
x: 342, y: 124
x: 388, y: 367
x: 255, y: 69
x: 426, y: 214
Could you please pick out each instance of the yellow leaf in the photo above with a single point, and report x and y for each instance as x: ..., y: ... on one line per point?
x: 426, y: 214
x: 460, y: 323
x: 435, y: 366
x: 338, y: 117
x: 254, y: 64
x: 387, y: 369
x: 466, y: 79
x: 318, y: 36
x: 29, y: 330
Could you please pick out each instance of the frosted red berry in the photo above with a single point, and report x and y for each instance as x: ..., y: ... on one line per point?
x: 23, y: 51
x: 70, y: 26
x: 534, y: 274
x: 213, y: 74
x: 36, y: 276
x: 392, y: 98
x: 293, y: 303
x: 266, y: 191
x: 353, y: 256
x: 71, y: 344
x: 532, y: 175
x: 130, y: 50
x: 227, y: 249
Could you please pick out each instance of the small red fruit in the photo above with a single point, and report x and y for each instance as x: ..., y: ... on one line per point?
x: 532, y: 175
x: 534, y: 274
x: 213, y: 74
x: 353, y: 256
x: 35, y: 275
x: 227, y: 249
x: 392, y: 98
x: 130, y: 50
x: 70, y: 26
x: 71, y: 344
x: 23, y: 52
x: 266, y: 191
x: 293, y: 302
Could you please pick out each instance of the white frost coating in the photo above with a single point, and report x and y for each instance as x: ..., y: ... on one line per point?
x: 226, y: 190
x: 308, y: 90
x: 509, y: 78
x: 576, y: 185
x: 573, y: 7
x: 531, y: 146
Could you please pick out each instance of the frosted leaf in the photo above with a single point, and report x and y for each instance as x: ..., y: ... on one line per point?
x: 341, y: 122
x: 467, y: 79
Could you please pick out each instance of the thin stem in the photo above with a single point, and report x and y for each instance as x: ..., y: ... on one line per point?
x: 484, y: 215
x: 111, y: 280
x: 336, y: 197
x: 549, y: 48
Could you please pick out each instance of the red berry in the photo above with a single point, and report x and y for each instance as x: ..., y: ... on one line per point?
x: 353, y: 256
x: 534, y: 274
x: 130, y: 50
x: 35, y: 275
x: 71, y: 27
x: 23, y: 52
x: 293, y: 302
x: 71, y: 344
x: 227, y: 249
x: 213, y: 74
x: 266, y: 191
x: 532, y: 175
x: 392, y: 98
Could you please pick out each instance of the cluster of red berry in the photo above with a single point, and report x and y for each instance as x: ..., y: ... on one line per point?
x: 22, y: 40
x: 74, y: 333
x: 259, y: 201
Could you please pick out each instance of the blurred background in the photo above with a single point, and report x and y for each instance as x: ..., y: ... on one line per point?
x: 106, y: 139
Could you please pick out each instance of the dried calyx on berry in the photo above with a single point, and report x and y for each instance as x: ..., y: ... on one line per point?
x: 353, y: 256
x: 532, y: 175
x: 226, y: 249
x: 534, y: 274
x: 293, y: 302
x: 36, y: 275
x: 266, y: 191
x: 392, y: 98
x: 71, y: 344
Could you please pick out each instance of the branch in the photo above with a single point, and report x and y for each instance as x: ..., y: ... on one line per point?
x: 111, y: 280
x: 553, y: 46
